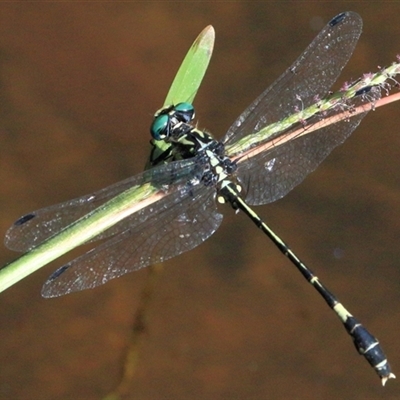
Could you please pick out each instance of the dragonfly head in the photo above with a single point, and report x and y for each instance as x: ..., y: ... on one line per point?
x: 166, y: 119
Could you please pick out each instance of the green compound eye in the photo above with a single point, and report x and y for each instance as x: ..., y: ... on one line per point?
x: 184, y: 112
x: 160, y: 127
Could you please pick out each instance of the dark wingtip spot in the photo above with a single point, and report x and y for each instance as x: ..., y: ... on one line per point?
x: 338, y: 19
x: 58, y: 272
x: 24, y: 219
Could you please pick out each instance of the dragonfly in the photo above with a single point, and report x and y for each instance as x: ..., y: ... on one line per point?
x: 171, y: 207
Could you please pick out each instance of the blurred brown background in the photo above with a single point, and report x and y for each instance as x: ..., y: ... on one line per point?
x: 231, y: 319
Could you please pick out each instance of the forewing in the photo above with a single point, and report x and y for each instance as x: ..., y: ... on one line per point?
x: 311, y: 75
x: 35, y: 227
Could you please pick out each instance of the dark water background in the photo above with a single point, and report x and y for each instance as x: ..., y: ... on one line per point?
x: 231, y: 319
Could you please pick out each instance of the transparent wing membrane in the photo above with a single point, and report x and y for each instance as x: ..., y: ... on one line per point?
x: 311, y: 75
x: 46, y: 222
x: 270, y: 175
x: 180, y: 223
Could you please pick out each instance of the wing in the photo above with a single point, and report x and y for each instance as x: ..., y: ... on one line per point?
x: 179, y: 223
x: 37, y: 226
x: 270, y: 175
x: 311, y: 75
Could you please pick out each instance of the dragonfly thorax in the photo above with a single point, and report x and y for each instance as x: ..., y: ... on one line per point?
x: 180, y: 140
x: 217, y: 166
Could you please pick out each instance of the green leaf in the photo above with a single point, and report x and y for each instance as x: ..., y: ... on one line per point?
x: 192, y: 70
